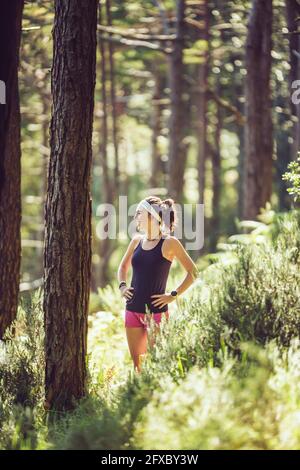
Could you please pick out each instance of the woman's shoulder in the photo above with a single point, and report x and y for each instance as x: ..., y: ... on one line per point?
x: 170, y: 240
x: 172, y: 244
x: 168, y: 247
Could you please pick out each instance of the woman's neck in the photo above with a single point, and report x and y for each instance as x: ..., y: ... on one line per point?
x: 150, y: 236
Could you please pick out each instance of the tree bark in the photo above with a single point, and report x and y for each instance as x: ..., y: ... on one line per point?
x: 10, y: 163
x: 67, y: 255
x: 258, y: 128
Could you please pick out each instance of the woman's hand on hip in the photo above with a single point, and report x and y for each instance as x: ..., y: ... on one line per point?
x: 160, y: 300
x: 127, y: 292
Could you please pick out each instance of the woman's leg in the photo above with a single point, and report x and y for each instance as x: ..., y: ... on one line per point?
x: 137, y: 343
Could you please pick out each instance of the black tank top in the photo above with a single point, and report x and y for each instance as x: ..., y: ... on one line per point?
x: 149, y: 276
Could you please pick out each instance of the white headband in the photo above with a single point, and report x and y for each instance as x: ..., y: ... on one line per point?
x: 145, y: 204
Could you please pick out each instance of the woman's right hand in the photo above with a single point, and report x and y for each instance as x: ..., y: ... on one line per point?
x: 126, y: 292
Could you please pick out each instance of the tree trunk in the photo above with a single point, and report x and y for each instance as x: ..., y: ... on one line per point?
x: 258, y: 129
x: 216, y: 174
x: 67, y: 256
x: 10, y: 163
x: 240, y: 132
x: 104, y: 130
x: 284, y: 152
x: 156, y: 163
x: 293, y: 13
x: 113, y: 103
x: 177, y: 152
x: 108, y: 186
x: 45, y: 163
x: 202, y: 101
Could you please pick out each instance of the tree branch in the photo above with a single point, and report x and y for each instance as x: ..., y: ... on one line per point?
x: 136, y: 43
x: 135, y: 34
x: 225, y: 104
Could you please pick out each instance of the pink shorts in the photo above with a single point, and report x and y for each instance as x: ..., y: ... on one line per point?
x: 136, y: 319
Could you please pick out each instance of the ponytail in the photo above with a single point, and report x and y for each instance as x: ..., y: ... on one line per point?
x: 168, y: 214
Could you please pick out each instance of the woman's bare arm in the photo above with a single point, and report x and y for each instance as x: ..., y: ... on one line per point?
x: 126, y: 260
x: 186, y: 261
x: 175, y: 249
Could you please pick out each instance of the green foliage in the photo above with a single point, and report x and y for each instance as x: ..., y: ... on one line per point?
x: 21, y: 378
x: 22, y: 354
x: 93, y: 425
x: 259, y: 296
x: 293, y: 176
x: 213, y: 380
x: 253, y: 297
x: 212, y: 408
x: 222, y: 374
x: 110, y: 298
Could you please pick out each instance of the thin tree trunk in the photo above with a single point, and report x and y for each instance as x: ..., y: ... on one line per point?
x: 45, y: 158
x: 104, y: 129
x: 10, y: 163
x: 156, y: 162
x: 107, y: 184
x: 240, y: 132
x: 202, y: 101
x: 284, y: 154
x: 258, y: 129
x: 293, y: 15
x: 113, y: 102
x: 67, y: 256
x: 216, y: 174
x: 176, y: 129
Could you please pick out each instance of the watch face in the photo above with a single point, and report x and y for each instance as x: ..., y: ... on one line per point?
x: 174, y: 293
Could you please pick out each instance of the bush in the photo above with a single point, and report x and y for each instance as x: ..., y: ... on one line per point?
x: 21, y: 380
x: 293, y: 176
x: 93, y: 425
x: 258, y: 298
x: 223, y: 408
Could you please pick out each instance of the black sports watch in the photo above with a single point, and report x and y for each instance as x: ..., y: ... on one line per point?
x: 174, y: 293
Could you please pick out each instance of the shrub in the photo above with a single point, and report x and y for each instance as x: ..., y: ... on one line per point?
x: 220, y: 408
x: 21, y: 379
x: 293, y: 176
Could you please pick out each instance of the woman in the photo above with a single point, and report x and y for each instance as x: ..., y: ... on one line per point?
x: 151, y: 257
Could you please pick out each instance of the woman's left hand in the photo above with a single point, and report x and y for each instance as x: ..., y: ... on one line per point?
x: 162, y: 299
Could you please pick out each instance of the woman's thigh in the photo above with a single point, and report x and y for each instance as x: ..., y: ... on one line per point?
x: 138, y: 327
x: 137, y: 340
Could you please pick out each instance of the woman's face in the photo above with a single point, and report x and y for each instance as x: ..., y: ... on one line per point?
x: 143, y: 219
